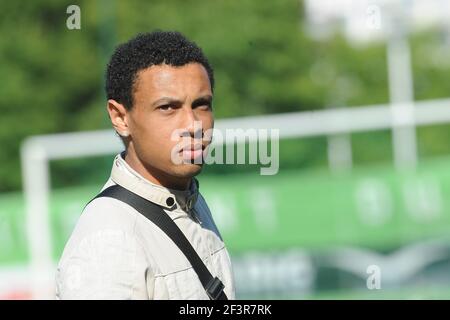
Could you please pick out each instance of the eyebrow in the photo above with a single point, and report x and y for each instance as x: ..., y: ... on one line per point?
x: 165, y: 100
x: 207, y: 99
x: 202, y: 100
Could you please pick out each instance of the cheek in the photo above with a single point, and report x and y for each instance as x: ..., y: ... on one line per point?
x: 148, y: 135
x: 157, y: 140
x: 145, y: 130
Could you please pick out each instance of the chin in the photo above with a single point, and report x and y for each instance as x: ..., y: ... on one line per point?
x: 187, y: 170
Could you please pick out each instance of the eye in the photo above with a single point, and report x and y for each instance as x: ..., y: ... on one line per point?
x: 166, y: 107
x: 204, y: 106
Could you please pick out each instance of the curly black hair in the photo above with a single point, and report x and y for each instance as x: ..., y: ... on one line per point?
x: 146, y: 50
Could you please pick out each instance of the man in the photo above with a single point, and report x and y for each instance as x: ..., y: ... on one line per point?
x: 159, y: 86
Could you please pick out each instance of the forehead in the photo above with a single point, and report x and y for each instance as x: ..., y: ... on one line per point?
x: 164, y: 79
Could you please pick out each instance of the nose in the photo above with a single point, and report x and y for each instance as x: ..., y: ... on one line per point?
x: 193, y: 124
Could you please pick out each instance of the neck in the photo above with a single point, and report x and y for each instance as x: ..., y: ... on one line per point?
x: 154, y: 175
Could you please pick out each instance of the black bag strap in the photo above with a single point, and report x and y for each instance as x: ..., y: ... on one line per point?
x: 213, y: 286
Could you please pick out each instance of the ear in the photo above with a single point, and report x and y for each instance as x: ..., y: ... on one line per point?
x: 119, y: 117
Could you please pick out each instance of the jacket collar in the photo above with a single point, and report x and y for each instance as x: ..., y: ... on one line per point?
x: 169, y: 199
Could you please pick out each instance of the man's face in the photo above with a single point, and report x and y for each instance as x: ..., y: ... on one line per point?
x: 167, y: 102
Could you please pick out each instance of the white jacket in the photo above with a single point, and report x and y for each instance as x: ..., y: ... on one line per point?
x: 116, y: 253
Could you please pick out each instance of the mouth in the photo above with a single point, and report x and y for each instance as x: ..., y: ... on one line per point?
x: 192, y: 152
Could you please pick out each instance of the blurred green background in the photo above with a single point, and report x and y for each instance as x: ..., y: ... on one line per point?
x: 265, y: 62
